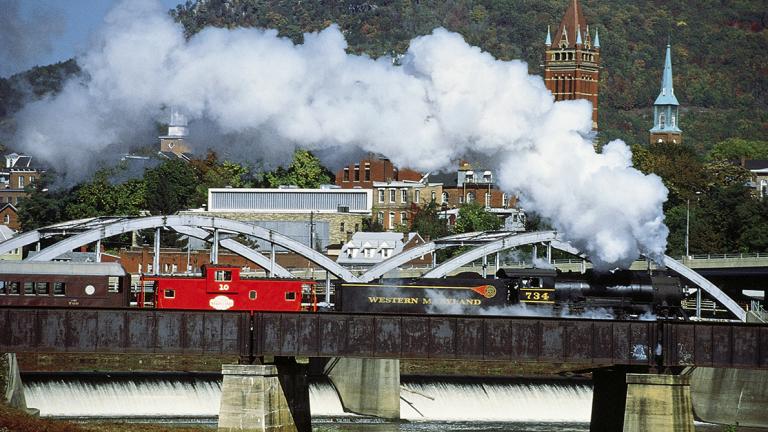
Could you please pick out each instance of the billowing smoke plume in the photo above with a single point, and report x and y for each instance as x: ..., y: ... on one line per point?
x: 446, y: 101
x: 24, y: 38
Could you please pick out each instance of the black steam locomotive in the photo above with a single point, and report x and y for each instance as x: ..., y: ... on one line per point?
x: 620, y: 294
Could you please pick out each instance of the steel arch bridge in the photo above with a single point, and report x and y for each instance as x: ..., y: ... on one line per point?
x: 86, y: 231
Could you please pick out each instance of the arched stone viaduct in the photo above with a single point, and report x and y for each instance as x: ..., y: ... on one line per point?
x: 86, y: 231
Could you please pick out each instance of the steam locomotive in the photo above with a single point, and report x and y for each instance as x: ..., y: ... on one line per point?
x: 620, y: 294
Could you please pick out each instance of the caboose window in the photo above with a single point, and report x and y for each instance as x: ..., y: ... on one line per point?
x: 169, y: 293
x: 114, y: 284
x: 252, y: 295
x: 13, y: 288
x: 29, y: 288
x: 59, y: 288
x: 2, y: 287
x: 223, y: 275
x: 41, y: 288
x: 290, y: 296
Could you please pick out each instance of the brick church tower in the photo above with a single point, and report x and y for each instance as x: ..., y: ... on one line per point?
x: 572, y: 60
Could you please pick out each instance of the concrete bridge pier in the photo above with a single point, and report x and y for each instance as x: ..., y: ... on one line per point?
x: 636, y: 402
x: 367, y: 386
x: 11, y: 387
x: 265, y: 398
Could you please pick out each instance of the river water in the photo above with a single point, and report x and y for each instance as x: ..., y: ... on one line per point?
x: 426, y: 404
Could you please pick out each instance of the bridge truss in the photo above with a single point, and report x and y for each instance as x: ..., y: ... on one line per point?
x: 218, y: 231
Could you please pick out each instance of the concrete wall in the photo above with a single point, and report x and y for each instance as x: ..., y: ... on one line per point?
x: 658, y: 403
x: 252, y: 400
x: 10, y: 382
x: 367, y: 386
x: 730, y: 396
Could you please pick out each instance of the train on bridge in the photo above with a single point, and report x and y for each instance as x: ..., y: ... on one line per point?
x: 620, y: 294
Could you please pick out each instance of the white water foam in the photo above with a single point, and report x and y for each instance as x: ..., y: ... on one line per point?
x: 424, y: 401
x: 496, y: 402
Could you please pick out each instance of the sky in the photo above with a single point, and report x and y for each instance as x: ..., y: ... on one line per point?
x: 41, y: 32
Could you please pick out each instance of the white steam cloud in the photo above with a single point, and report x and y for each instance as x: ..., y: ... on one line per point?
x: 446, y: 101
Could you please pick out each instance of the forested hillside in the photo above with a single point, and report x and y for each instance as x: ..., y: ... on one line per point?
x: 721, y: 76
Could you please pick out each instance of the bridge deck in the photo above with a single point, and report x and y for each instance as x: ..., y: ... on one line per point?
x: 518, y: 339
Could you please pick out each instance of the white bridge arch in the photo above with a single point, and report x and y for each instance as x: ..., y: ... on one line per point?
x: 208, y: 227
x: 205, y: 227
x: 510, y: 240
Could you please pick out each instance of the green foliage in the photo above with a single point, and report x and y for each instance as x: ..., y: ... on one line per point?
x: 427, y: 222
x: 733, y: 149
x: 474, y: 217
x: 370, y: 225
x: 43, y: 207
x: 678, y: 166
x: 100, y: 197
x: 214, y: 174
x: 170, y: 187
x: 305, y: 171
x: 34, y: 84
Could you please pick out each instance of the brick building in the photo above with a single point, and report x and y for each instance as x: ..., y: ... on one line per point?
x: 472, y: 185
x: 15, y: 177
x: 572, y: 60
x: 172, y: 260
x: 394, y: 203
x: 373, y: 169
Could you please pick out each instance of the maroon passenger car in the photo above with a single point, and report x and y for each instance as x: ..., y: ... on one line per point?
x: 63, y: 284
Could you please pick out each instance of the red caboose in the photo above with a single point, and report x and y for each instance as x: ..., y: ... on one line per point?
x: 222, y: 288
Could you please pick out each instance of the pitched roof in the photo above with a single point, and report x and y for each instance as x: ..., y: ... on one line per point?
x: 573, y: 20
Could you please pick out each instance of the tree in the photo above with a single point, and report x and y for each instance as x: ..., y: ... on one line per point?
x: 305, y: 171
x: 677, y: 165
x: 474, y: 217
x: 733, y: 149
x: 43, y: 207
x: 170, y: 187
x: 214, y: 174
x: 427, y: 222
x: 100, y: 197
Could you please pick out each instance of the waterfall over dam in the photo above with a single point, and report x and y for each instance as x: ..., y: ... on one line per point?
x: 422, y: 399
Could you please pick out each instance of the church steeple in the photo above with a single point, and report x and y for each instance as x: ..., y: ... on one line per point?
x: 665, y: 110
x: 572, y: 60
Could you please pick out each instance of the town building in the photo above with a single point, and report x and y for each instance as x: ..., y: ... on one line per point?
x: 18, y: 174
x: 665, y: 109
x: 367, y: 249
x: 572, y: 60
x: 471, y: 184
x: 372, y: 169
x: 396, y: 202
x: 315, y: 217
x: 758, y: 171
